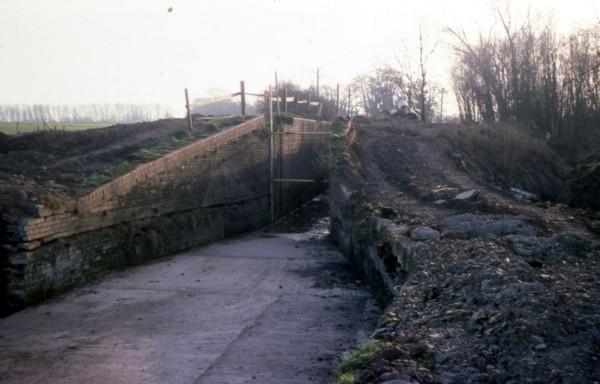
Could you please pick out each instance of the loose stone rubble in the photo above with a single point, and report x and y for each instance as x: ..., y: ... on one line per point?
x: 486, y: 288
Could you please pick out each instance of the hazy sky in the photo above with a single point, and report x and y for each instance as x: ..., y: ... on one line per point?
x: 86, y: 51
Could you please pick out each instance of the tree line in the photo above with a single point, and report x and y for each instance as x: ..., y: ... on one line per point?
x: 532, y: 76
x: 524, y: 74
x: 86, y: 113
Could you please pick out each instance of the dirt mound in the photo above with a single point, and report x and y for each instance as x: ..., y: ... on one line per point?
x: 508, y: 156
x: 501, y: 289
x: 51, y: 167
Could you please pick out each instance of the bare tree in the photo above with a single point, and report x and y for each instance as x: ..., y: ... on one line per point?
x: 531, y: 75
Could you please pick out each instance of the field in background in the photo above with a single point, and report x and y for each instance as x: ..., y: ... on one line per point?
x: 79, y: 161
x: 11, y: 128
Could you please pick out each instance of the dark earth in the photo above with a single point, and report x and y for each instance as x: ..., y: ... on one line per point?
x: 50, y: 167
x: 504, y: 290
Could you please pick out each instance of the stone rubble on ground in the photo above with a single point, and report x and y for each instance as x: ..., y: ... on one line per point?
x: 424, y: 233
x: 522, y: 195
x: 466, y: 195
x: 486, y: 289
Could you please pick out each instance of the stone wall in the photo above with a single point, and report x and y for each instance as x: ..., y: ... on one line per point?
x: 215, y: 187
x: 377, y: 246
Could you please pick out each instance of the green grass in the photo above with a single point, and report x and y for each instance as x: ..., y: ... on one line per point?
x: 351, y: 367
x: 144, y: 155
x: 11, y: 128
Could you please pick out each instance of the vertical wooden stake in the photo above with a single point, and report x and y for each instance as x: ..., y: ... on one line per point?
x: 277, y: 95
x: 189, y: 112
x: 318, y: 94
x: 271, y: 175
x: 349, y: 102
x: 337, y: 101
x: 17, y: 127
x: 285, y: 100
x: 308, y: 104
x: 243, y: 97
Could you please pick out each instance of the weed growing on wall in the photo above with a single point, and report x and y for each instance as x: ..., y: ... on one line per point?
x: 338, y: 146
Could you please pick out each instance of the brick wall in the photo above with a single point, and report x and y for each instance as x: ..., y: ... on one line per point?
x: 209, y: 189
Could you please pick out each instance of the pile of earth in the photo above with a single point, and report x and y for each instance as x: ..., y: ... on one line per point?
x: 50, y: 167
x: 510, y: 309
x: 504, y: 289
x: 508, y: 156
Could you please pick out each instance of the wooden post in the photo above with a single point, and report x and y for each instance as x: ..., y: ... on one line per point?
x: 189, y: 112
x: 349, y: 101
x: 318, y: 83
x: 279, y: 174
x: 277, y: 95
x: 266, y: 98
x: 243, y: 97
x: 17, y: 127
x: 285, y: 99
x: 271, y: 154
x: 337, y: 100
x: 308, y: 104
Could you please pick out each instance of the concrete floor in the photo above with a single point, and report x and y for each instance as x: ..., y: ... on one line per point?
x: 277, y: 306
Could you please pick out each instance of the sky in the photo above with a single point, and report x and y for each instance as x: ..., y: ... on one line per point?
x: 137, y: 51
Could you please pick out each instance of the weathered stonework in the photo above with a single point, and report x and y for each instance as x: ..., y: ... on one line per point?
x: 212, y: 188
x: 381, y: 249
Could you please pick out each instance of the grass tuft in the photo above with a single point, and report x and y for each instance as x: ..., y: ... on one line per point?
x: 353, y: 364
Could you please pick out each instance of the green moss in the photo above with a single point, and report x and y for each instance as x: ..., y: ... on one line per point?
x: 351, y: 367
x: 347, y: 378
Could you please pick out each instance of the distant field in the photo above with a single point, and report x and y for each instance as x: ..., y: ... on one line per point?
x: 11, y: 128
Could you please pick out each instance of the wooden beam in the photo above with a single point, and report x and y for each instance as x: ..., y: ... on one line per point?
x: 243, y: 95
x: 349, y: 101
x: 189, y: 112
x: 318, y: 94
x: 277, y: 95
x: 271, y: 155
